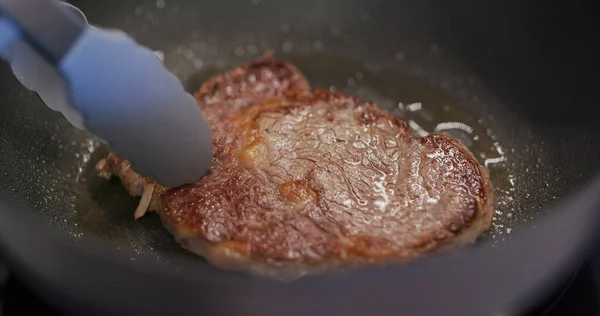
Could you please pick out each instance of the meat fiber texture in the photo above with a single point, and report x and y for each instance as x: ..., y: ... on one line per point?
x: 308, y: 182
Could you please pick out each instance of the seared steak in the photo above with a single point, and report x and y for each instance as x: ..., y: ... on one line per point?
x: 303, y: 182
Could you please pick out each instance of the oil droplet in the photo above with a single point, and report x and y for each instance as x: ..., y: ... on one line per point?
x: 139, y: 10
x: 188, y: 54
x: 198, y: 63
x: 287, y: 46
x: 239, y: 51
x: 285, y: 28
x: 149, y: 16
x: 335, y: 30
x: 299, y: 27
x: 252, y: 49
x: 317, y: 45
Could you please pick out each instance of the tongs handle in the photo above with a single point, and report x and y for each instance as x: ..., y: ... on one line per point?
x: 45, y: 25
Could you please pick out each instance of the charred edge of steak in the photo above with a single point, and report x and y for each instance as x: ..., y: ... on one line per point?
x: 480, y: 219
x: 134, y: 183
x: 262, y: 78
x: 224, y: 96
x: 228, y: 256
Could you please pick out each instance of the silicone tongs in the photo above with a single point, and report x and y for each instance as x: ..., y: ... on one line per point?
x: 104, y: 82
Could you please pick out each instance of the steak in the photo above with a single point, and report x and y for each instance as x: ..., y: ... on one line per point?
x: 304, y: 182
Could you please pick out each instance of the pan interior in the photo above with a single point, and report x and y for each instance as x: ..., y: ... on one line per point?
x: 49, y: 165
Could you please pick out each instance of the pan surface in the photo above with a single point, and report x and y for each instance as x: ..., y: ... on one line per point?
x: 422, y: 60
x: 353, y: 50
x: 388, y: 53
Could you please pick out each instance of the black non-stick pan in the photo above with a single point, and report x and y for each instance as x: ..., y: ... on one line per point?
x: 514, y: 83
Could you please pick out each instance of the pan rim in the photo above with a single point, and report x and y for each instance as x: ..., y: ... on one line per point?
x: 578, y: 222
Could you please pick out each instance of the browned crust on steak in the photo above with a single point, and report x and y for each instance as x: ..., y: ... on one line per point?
x: 304, y: 182
x: 219, y: 98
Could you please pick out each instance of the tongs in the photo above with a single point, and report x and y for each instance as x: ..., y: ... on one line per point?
x: 104, y: 82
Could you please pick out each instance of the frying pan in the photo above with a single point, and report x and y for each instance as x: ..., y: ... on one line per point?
x: 514, y: 82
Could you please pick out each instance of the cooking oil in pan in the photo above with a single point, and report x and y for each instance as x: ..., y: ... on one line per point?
x: 107, y: 210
